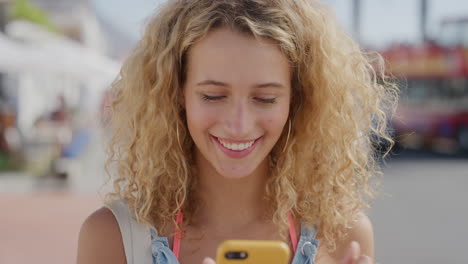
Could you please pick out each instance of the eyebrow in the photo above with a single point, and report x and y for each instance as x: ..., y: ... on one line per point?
x: 218, y: 83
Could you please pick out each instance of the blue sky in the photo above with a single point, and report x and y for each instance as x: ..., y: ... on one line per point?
x: 383, y: 21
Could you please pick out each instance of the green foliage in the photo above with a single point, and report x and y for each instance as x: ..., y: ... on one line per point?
x: 23, y: 9
x: 8, y: 162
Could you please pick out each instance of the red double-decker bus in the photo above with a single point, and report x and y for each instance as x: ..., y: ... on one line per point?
x: 433, y: 108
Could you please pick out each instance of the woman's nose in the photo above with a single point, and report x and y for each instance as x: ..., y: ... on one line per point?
x: 239, y: 120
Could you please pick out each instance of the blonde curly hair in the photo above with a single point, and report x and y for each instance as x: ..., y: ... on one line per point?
x: 339, y: 107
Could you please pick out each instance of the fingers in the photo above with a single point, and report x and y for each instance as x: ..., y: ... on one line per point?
x: 352, y: 255
x: 364, y: 260
x: 208, y: 261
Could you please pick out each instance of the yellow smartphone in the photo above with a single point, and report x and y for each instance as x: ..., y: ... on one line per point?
x: 252, y: 252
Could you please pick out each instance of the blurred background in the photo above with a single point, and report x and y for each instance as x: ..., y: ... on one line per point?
x: 59, y: 57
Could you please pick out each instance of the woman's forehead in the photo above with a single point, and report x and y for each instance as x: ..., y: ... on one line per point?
x: 230, y: 55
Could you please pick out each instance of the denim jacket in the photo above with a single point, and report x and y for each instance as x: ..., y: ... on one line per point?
x: 305, y: 253
x: 143, y: 246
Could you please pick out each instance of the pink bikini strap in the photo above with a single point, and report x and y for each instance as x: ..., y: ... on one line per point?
x: 292, y: 231
x: 178, y: 235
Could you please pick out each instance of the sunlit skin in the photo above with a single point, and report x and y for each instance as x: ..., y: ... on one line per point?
x: 237, y: 90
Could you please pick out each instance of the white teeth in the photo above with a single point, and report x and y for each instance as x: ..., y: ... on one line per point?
x: 233, y: 146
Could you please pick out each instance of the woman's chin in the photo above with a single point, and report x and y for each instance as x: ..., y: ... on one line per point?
x: 235, y: 173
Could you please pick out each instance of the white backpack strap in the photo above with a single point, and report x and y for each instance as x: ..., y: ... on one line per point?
x: 136, y: 236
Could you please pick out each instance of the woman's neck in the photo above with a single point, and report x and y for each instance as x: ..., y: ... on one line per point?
x: 232, y: 203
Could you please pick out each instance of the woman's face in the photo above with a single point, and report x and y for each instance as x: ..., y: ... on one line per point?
x: 237, y: 95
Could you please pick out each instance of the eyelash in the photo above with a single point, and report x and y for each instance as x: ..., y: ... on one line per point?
x: 261, y: 100
x: 211, y: 98
x: 266, y: 101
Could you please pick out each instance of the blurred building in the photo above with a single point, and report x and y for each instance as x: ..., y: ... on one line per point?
x: 433, y: 110
x: 54, y: 81
x: 77, y: 20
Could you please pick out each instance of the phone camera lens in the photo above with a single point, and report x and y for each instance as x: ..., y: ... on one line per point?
x: 236, y: 255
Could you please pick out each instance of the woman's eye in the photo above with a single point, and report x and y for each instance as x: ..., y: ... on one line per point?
x: 220, y: 97
x: 212, y: 98
x: 266, y: 100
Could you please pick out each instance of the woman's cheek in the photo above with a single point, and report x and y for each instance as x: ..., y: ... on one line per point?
x: 275, y: 121
x: 202, y: 115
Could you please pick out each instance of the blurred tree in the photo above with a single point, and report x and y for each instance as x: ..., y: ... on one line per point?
x: 3, y: 17
x: 23, y: 9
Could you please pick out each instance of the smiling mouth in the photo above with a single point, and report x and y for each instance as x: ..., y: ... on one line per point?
x: 238, y: 146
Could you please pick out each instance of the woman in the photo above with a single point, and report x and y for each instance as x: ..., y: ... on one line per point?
x: 241, y: 119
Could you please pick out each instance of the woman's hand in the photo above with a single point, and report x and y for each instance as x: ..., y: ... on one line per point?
x: 208, y: 261
x: 353, y: 255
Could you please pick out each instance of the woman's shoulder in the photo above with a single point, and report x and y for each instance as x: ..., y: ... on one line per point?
x: 360, y: 231
x: 100, y: 240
